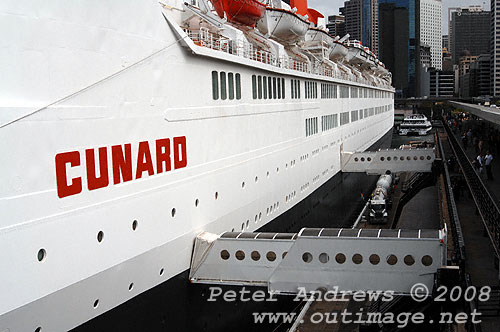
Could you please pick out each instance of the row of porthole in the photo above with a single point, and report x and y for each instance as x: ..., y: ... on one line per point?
x: 96, y: 302
x: 362, y: 159
x: 374, y: 259
x: 255, y: 255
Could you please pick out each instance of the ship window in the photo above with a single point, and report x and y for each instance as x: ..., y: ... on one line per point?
x: 259, y: 84
x: 254, y: 87
x: 215, y: 85
x: 292, y: 85
x: 344, y: 118
x: 298, y: 89
x: 264, y: 79
x: 230, y: 82
x: 274, y: 87
x: 238, y: 86
x: 270, y: 87
x: 354, y: 116
x: 279, y: 88
x: 283, y: 88
x: 360, y: 114
x: 223, y: 92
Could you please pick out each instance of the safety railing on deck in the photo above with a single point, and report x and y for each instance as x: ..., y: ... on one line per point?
x: 205, y: 38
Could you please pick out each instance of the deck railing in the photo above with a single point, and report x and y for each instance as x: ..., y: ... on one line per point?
x: 205, y: 38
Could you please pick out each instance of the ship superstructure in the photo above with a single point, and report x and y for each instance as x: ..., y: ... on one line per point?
x: 128, y: 128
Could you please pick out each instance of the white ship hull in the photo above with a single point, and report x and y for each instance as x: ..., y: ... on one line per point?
x: 246, y: 161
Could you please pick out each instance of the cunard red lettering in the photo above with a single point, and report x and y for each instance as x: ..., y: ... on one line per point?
x: 144, y: 162
x: 122, y: 163
x: 94, y: 182
x: 163, y: 155
x: 124, y: 160
x: 180, y: 153
x: 63, y: 188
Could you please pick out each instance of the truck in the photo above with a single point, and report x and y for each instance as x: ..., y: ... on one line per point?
x: 380, y: 200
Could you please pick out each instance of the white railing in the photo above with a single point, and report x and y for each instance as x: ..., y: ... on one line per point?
x: 205, y: 38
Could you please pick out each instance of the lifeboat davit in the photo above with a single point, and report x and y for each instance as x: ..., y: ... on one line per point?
x: 358, y: 54
x: 245, y: 12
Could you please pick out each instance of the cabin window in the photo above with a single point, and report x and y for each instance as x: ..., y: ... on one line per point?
x: 360, y: 114
x: 223, y: 92
x: 264, y: 80
x: 230, y: 83
x: 215, y: 85
x: 259, y: 84
x: 274, y: 87
x: 344, y: 118
x: 254, y: 87
x: 354, y: 116
x: 238, y: 86
x: 283, y: 88
x: 279, y: 88
x: 311, y: 126
x: 270, y: 87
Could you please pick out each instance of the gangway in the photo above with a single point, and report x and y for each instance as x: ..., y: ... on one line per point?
x: 337, y: 259
x: 396, y: 160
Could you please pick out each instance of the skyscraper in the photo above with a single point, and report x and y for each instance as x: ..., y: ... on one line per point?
x: 495, y: 48
x: 361, y: 21
x: 430, y: 30
x: 469, y: 32
x: 398, y: 41
x: 336, y: 25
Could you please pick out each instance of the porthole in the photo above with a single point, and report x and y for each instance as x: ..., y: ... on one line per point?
x: 324, y: 258
x: 374, y: 259
x: 271, y: 256
x: 267, y: 173
x: 340, y: 258
x: 388, y: 158
x: 256, y: 178
x: 422, y: 158
x: 38, y: 329
x: 224, y: 254
x: 100, y: 236
x: 173, y: 212
x: 247, y: 223
x: 134, y: 225
x: 382, y: 158
x: 96, y: 303
x: 392, y: 259
x: 260, y: 216
x: 408, y: 158
x: 427, y: 260
x: 307, y: 257
x: 284, y: 254
x: 277, y: 169
x: 401, y: 158
x: 409, y: 260
x: 41, y: 254
x: 428, y: 157
x: 243, y: 184
x: 356, y: 159
x: 255, y: 255
x: 242, y: 226
x: 131, y: 286
x: 362, y: 158
x: 357, y: 259
x: 369, y: 159
x: 415, y: 158
x: 161, y: 271
x: 196, y: 202
x: 240, y: 255
x: 216, y: 195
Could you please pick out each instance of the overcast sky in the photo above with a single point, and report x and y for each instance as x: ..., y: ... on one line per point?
x: 331, y: 7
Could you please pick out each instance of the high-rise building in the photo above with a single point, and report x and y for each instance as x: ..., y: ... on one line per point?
x: 469, y: 32
x: 476, y: 81
x: 430, y: 22
x: 442, y: 83
x: 336, y: 25
x: 398, y: 40
x: 361, y: 21
x: 495, y: 48
x: 446, y: 42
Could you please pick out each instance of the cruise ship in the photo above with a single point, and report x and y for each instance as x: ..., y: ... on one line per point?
x: 129, y: 127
